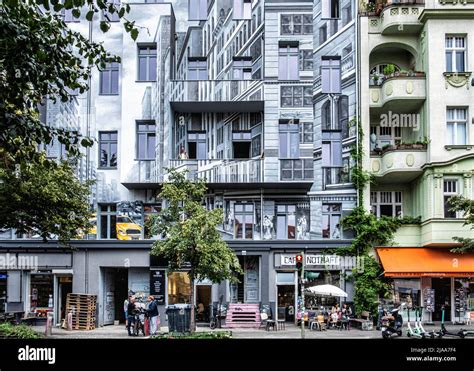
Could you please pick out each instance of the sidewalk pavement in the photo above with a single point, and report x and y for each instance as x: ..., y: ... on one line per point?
x: 291, y: 332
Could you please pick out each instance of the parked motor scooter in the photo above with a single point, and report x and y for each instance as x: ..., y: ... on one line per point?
x: 444, y: 332
x: 392, y: 325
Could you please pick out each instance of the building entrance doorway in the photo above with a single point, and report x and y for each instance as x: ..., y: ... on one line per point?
x: 64, y: 288
x: 115, y: 293
x: 203, y: 302
x: 442, y: 292
x: 286, y: 302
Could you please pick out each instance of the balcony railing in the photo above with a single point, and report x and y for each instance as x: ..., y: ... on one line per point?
x: 333, y: 176
x: 375, y: 7
x: 215, y: 90
x: 143, y: 171
x: 222, y: 171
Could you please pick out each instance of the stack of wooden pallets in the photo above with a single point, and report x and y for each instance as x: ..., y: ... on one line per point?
x: 83, y: 308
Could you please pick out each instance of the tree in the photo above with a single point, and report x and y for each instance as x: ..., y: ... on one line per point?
x: 190, y: 234
x: 466, y: 206
x: 41, y: 58
x: 24, y: 194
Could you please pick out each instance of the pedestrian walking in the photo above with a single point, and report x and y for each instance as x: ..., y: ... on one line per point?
x: 153, y: 314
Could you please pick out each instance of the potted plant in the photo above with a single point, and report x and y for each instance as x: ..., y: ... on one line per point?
x: 389, y: 70
x: 376, y: 79
x: 370, y: 7
x: 418, y: 145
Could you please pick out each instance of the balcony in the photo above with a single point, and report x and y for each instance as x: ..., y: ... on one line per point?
x: 400, y: 94
x: 398, y: 164
x: 336, y: 177
x: 218, y: 171
x: 142, y: 174
x: 216, y: 96
x: 396, y: 18
x: 433, y: 232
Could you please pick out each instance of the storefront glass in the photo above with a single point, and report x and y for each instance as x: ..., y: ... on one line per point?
x: 41, y: 293
x: 179, y: 288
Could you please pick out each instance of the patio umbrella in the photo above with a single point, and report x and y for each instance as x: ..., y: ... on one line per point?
x: 328, y: 290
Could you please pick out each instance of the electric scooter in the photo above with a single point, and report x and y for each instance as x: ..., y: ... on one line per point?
x: 414, y: 332
x: 445, y: 332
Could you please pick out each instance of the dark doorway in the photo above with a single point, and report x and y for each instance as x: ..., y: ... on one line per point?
x: 65, y: 287
x: 286, y: 302
x: 241, y: 149
x: 442, y: 292
x: 121, y: 292
x: 203, y: 301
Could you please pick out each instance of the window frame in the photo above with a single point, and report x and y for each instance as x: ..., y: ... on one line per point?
x: 376, y: 203
x: 330, y: 214
x: 148, y: 133
x: 454, y: 50
x: 109, y: 142
x: 448, y: 194
x: 304, y: 89
x: 147, y: 56
x: 304, y: 25
x: 455, y: 121
x: 109, y: 69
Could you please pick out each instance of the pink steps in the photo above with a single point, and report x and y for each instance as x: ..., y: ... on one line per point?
x: 243, y: 316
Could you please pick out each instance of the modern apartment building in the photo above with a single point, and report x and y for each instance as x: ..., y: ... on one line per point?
x: 416, y: 111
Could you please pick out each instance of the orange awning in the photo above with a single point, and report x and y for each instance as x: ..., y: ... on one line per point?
x: 425, y: 262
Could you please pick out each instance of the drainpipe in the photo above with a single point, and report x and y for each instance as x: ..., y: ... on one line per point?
x: 357, y: 78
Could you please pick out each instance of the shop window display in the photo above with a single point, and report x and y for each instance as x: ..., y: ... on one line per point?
x: 41, y: 294
x: 179, y: 288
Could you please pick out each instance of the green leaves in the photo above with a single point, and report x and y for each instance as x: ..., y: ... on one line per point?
x: 104, y: 26
x: 134, y: 34
x: 466, y: 206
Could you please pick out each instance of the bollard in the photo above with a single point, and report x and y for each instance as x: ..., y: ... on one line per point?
x: 49, y: 323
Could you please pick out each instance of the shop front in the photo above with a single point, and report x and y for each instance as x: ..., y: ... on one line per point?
x: 435, y: 280
x: 320, y: 269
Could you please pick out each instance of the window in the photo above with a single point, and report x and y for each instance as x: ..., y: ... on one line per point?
x: 42, y: 289
x: 332, y: 153
x: 386, y: 203
x: 112, y: 17
x: 197, y: 69
x: 457, y: 126
x: 197, y: 10
x: 326, y: 121
x: 329, y: 9
x: 244, y: 220
x: 296, y: 24
x: 296, y: 169
x: 343, y: 115
x: 242, y: 68
x: 450, y: 189
x: 455, y: 53
x: 109, y: 79
x: 306, y: 132
x: 146, y: 141
x: 323, y: 34
x: 346, y: 14
x: 242, y: 9
x: 331, y: 218
x: 296, y: 96
x: 385, y: 136
x: 147, y: 63
x: 331, y: 75
x: 108, y: 149
x: 286, y: 222
x: 306, y: 60
x: 289, y: 139
x: 179, y: 288
x: 288, y: 56
x: 108, y: 221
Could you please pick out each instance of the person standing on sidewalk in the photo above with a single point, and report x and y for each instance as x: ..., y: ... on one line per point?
x: 153, y: 314
x: 131, y: 314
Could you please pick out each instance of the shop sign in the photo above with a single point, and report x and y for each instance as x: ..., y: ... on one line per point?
x: 311, y: 260
x: 157, y: 285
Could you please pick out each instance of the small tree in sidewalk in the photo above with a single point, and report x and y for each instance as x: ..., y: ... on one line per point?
x: 190, y: 236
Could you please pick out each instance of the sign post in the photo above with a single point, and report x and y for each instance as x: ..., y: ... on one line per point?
x: 300, y: 268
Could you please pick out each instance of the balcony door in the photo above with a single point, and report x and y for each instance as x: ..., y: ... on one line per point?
x: 197, y: 145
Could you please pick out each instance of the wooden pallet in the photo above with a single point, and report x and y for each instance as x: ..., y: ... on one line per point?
x: 84, y: 308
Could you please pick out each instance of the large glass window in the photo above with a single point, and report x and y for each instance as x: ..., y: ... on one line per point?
x: 108, y: 221
x: 296, y: 24
x: 146, y: 141
x: 457, y: 126
x: 244, y: 220
x: 306, y: 132
x: 331, y: 219
x: 329, y: 9
x: 146, y: 63
x: 108, y: 149
x: 179, y: 288
x: 450, y: 189
x: 288, y: 57
x: 41, y: 292
x: 296, y: 169
x: 289, y: 139
x: 197, y: 69
x: 109, y: 79
x: 331, y: 75
x: 306, y: 60
x: 296, y: 96
x: 455, y: 53
x: 242, y: 68
x: 286, y: 222
x: 386, y: 203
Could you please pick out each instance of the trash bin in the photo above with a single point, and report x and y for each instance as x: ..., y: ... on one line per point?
x: 179, y: 318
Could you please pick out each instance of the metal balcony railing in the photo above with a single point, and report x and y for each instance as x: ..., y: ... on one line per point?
x: 222, y: 171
